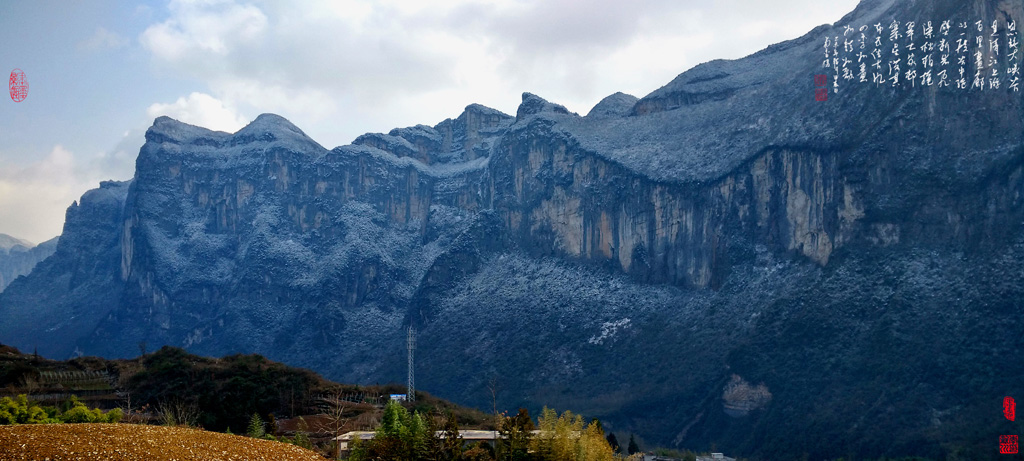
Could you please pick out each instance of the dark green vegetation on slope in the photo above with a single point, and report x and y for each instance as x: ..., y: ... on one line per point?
x: 216, y: 393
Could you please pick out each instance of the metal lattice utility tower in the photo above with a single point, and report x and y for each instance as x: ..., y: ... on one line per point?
x: 411, y: 384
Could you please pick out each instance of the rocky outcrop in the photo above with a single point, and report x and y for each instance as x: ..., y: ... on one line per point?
x: 265, y: 206
x: 562, y: 199
x: 739, y: 398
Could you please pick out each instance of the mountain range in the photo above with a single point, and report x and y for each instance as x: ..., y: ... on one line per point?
x: 724, y: 263
x: 18, y: 257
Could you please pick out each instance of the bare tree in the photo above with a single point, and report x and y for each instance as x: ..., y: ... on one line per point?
x: 130, y: 412
x: 336, y: 406
x: 30, y: 382
x: 178, y: 413
x: 492, y: 385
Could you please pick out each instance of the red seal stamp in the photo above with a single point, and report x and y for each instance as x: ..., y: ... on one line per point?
x: 1009, y: 408
x: 820, y: 92
x: 18, y: 85
x: 1008, y: 444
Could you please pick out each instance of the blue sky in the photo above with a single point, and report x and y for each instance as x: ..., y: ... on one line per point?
x: 99, y: 72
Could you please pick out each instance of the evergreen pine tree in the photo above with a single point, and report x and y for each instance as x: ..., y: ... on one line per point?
x: 256, y: 428
x: 451, y: 445
x: 613, y: 442
x: 633, y: 447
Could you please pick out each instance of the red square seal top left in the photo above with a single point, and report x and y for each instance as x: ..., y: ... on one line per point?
x: 18, y: 85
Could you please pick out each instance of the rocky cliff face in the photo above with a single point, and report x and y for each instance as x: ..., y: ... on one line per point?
x: 723, y: 261
x: 68, y: 294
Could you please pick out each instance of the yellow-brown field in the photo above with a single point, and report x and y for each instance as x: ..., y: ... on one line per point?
x: 88, y: 442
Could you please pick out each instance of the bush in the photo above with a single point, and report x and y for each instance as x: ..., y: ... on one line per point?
x: 115, y: 415
x: 21, y: 411
x: 302, y: 440
x: 78, y: 415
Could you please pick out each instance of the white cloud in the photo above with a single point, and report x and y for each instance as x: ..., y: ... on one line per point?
x: 340, y: 68
x: 202, y: 110
x: 203, y: 27
x: 34, y: 197
x: 272, y: 97
x: 117, y: 163
x: 103, y: 39
x: 32, y: 202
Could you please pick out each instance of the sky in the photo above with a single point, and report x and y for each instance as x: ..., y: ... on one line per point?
x: 99, y: 72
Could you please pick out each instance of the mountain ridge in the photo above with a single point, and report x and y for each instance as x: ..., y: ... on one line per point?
x: 7, y: 243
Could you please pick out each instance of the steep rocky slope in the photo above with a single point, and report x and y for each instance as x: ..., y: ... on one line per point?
x: 722, y: 262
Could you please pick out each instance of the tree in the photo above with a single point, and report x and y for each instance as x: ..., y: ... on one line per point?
x: 514, y: 436
x: 492, y: 385
x: 178, y: 413
x: 632, y: 447
x: 482, y: 451
x: 558, y: 434
x: 301, y: 436
x: 592, y: 446
x: 419, y: 433
x: 400, y: 437
x: 451, y: 441
x: 613, y: 442
x: 336, y: 405
x: 566, y: 437
x: 256, y: 427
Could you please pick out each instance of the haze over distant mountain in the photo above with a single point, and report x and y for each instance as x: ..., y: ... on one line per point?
x: 7, y: 243
x: 18, y: 257
x: 723, y: 262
